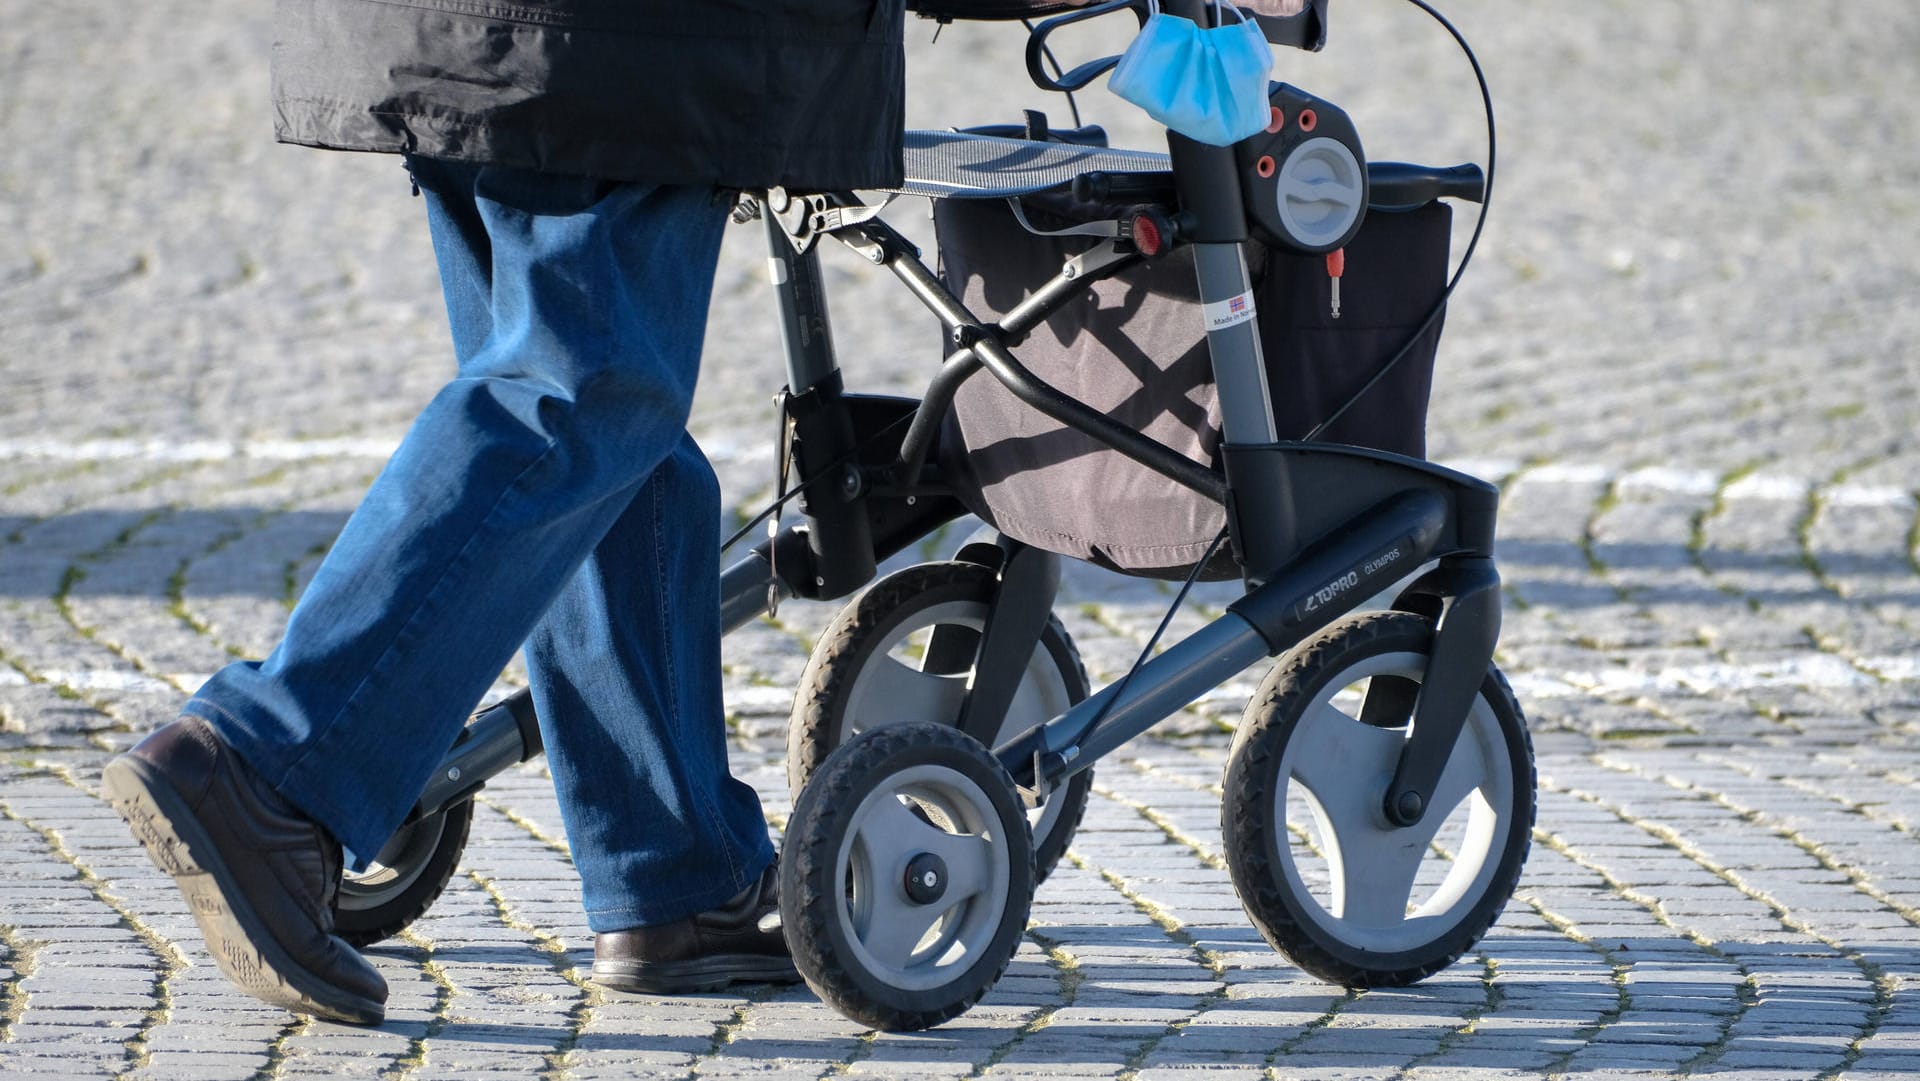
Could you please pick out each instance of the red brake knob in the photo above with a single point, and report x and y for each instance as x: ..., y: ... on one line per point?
x: 1146, y: 235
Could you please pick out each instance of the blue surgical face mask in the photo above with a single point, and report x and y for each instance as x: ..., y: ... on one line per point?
x: 1209, y: 84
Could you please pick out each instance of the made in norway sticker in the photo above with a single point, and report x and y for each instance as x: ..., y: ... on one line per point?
x: 1232, y: 311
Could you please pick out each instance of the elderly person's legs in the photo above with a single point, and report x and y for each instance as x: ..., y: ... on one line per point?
x: 527, y: 500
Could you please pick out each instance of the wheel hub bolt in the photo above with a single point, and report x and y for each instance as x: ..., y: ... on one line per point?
x: 926, y: 878
x: 1410, y: 806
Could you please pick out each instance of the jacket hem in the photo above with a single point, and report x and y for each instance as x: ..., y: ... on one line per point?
x: 488, y: 143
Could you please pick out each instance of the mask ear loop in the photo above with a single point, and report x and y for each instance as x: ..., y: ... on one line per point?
x: 1153, y: 8
x: 1226, y: 5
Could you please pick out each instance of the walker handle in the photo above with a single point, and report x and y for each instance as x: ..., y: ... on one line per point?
x: 1079, y: 77
x: 1307, y: 30
x: 1397, y: 185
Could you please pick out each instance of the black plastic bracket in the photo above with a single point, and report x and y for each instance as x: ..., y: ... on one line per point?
x: 1464, y: 594
x: 806, y: 217
x: 1029, y: 579
x: 834, y: 502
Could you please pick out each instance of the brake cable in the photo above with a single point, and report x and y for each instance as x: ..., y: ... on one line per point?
x: 1466, y: 255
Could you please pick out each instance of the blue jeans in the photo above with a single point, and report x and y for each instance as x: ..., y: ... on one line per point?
x: 548, y: 496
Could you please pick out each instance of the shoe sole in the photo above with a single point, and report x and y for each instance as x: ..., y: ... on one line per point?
x: 693, y: 976
x: 235, y: 933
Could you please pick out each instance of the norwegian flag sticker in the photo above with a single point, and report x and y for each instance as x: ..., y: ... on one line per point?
x: 1232, y: 311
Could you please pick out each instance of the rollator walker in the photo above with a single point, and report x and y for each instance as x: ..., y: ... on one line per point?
x: 1379, y: 794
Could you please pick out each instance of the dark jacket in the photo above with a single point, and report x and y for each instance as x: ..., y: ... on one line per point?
x: 735, y: 93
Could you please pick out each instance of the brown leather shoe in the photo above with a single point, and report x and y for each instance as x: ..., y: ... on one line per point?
x: 259, y: 875
x: 739, y: 942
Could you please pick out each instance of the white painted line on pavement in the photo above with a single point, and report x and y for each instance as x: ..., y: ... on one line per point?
x: 1810, y: 670
x: 1666, y: 481
x: 1570, y: 473
x: 1768, y: 486
x: 103, y: 679
x: 1868, y: 495
x: 152, y: 450
x: 757, y: 701
x: 719, y: 447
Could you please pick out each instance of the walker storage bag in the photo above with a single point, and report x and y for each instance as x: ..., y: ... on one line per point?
x: 1134, y: 348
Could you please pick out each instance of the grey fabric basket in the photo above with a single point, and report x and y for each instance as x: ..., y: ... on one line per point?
x: 1133, y: 348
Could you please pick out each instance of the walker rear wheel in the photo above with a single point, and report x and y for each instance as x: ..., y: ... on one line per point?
x: 1323, y: 875
x: 906, y: 876
x: 904, y: 650
x: 405, y: 879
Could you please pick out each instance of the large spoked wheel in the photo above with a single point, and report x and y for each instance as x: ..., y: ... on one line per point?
x: 404, y: 880
x: 1320, y: 871
x: 904, y: 651
x: 906, y: 876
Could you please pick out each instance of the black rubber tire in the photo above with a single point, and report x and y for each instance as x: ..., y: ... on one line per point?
x: 816, y: 891
x: 820, y: 722
x: 386, y: 900
x: 1253, y: 839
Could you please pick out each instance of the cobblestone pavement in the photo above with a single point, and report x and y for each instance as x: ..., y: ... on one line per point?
x: 1689, y: 352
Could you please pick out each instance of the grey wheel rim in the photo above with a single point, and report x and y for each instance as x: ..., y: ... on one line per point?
x: 909, y: 945
x: 1363, y: 882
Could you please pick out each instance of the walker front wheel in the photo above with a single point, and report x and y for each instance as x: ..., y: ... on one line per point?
x: 1325, y: 877
x: 906, y: 877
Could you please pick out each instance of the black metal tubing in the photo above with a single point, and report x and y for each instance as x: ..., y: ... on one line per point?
x: 955, y: 370
x: 501, y: 736
x: 1059, y: 291
x: 959, y: 365
x: 805, y: 330
x: 955, y: 317
x: 1465, y: 592
x: 743, y: 589
x: 1029, y: 579
x: 743, y: 585
x: 1076, y: 739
